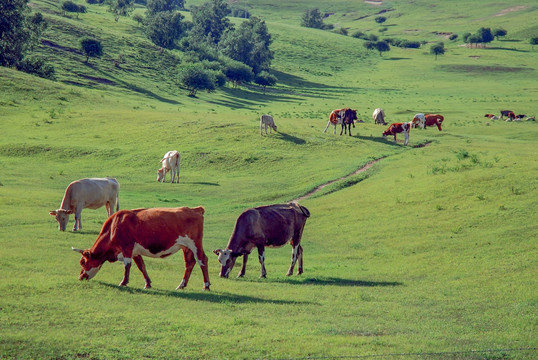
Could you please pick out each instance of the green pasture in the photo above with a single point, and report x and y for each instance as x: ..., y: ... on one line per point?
x: 430, y: 253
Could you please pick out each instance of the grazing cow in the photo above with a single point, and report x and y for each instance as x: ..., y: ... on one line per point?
x: 379, y: 116
x: 159, y: 232
x: 334, y: 119
x: 265, y: 226
x: 531, y: 118
x: 492, y: 116
x: 267, y: 121
x: 520, y: 117
x: 433, y: 119
x: 508, y: 113
x: 396, y: 128
x: 419, y: 120
x: 87, y: 193
x: 170, y: 162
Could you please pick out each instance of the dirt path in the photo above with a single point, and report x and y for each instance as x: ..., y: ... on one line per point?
x: 320, y: 187
x: 363, y: 168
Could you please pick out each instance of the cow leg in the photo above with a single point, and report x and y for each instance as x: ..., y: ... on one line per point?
x: 350, y: 128
x: 243, y: 266
x: 127, y: 264
x: 439, y: 126
x: 296, y: 254
x: 261, y: 257
x: 142, y: 267
x: 78, y: 224
x: 406, y: 134
x: 395, y: 138
x: 109, y: 208
x: 173, y: 175
x: 188, y: 255
x: 342, y: 129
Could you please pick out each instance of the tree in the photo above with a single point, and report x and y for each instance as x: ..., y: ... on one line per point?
x: 533, y: 41
x: 164, y: 28
x: 69, y: 6
x: 312, y: 18
x: 485, y: 35
x: 195, y: 77
x: 380, y: 19
x: 382, y: 46
x: 210, y: 21
x: 249, y: 44
x: 121, y: 8
x: 237, y: 72
x: 265, y: 79
x: 437, y: 49
x: 19, y: 31
x: 91, y: 47
x: 500, y: 32
x: 156, y: 6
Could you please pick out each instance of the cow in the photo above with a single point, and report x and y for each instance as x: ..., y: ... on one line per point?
x: 508, y: 113
x: 91, y: 193
x: 492, y: 116
x: 348, y: 118
x: 419, y: 120
x: 520, y: 117
x: 379, y: 116
x: 343, y: 117
x: 170, y: 162
x: 261, y: 227
x: 433, y: 119
x: 267, y: 121
x: 158, y: 232
x: 396, y: 128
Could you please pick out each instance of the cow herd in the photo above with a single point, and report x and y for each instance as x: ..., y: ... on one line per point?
x: 346, y: 117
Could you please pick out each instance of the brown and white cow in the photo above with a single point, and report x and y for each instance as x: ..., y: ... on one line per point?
x: 267, y: 121
x: 397, y: 128
x: 419, y: 120
x: 170, y: 162
x: 433, y: 119
x: 492, y: 116
x: 159, y: 232
x: 344, y: 117
x: 261, y: 227
x: 91, y: 193
x: 379, y: 116
x: 508, y: 113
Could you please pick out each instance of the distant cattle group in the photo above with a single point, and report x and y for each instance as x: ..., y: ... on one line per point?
x: 510, y: 116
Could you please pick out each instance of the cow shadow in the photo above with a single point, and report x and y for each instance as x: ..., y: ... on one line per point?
x: 332, y: 281
x: 290, y: 138
x: 208, y: 296
x: 201, y: 183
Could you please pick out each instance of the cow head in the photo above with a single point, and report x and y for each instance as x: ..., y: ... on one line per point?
x: 90, y: 265
x: 160, y: 175
x: 62, y: 216
x: 227, y: 259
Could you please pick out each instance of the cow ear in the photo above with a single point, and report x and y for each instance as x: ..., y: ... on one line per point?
x: 69, y: 212
x: 53, y: 213
x: 217, y: 251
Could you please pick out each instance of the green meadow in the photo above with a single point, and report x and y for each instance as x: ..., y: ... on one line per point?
x: 429, y: 253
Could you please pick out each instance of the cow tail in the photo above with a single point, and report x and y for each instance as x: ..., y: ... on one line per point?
x: 117, y: 202
x: 304, y: 211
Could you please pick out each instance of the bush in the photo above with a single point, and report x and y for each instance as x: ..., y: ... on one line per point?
x: 69, y: 6
x: 360, y: 35
x: 93, y: 2
x: 37, y: 66
x: 453, y: 37
x: 194, y: 77
x: 91, y: 47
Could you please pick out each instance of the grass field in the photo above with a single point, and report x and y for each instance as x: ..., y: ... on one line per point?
x: 430, y: 253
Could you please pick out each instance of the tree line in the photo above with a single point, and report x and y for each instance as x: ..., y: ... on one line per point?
x: 213, y: 50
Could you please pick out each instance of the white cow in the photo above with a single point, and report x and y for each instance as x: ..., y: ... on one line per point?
x: 170, y: 162
x: 87, y: 193
x: 419, y: 120
x: 379, y: 116
x: 267, y: 121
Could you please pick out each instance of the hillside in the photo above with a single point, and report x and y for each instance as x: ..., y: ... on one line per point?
x: 429, y: 253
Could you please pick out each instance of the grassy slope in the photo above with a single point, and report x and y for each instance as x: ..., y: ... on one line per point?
x: 433, y: 251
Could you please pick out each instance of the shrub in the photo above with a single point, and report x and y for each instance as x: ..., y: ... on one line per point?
x: 36, y: 66
x: 195, y: 77
x: 69, y: 6
x: 91, y: 47
x: 453, y: 37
